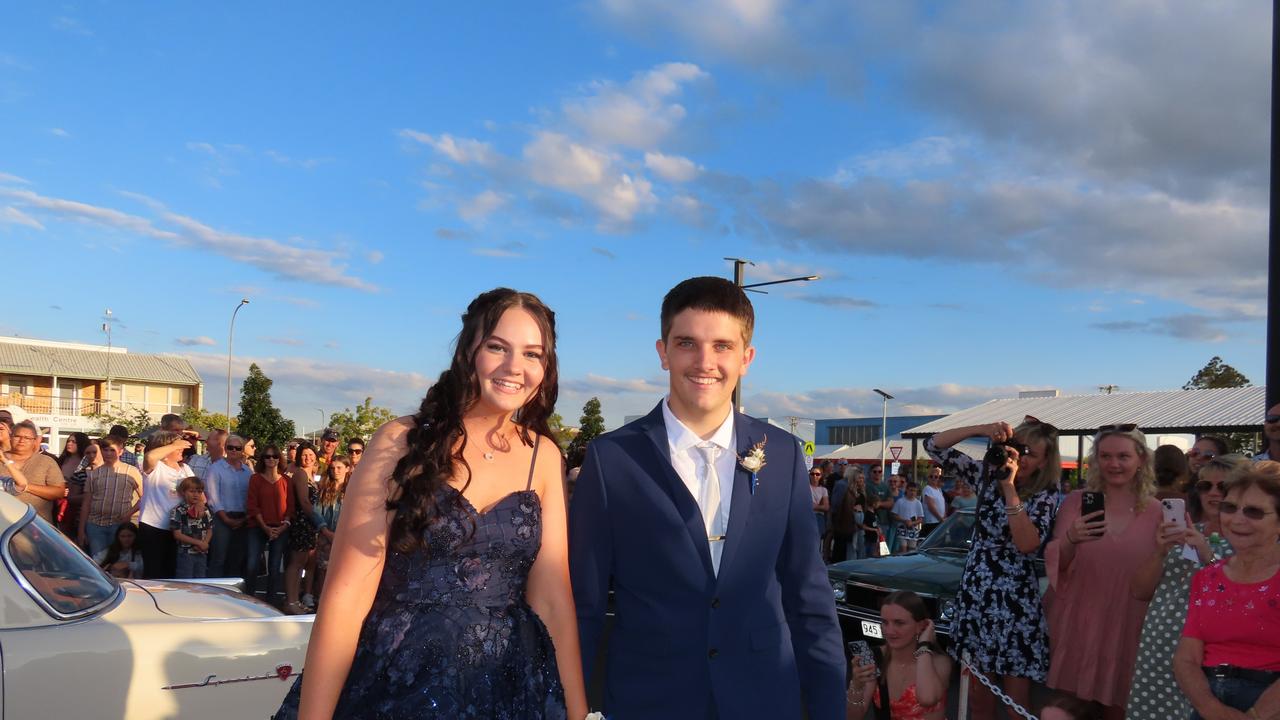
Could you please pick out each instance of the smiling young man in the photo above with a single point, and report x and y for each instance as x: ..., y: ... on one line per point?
x: 722, y: 606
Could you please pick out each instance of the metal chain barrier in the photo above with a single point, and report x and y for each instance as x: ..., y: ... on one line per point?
x: 982, y: 678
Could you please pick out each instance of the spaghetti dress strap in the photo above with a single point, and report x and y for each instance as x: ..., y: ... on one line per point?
x: 537, y: 440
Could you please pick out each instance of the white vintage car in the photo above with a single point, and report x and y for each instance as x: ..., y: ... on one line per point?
x: 78, y: 643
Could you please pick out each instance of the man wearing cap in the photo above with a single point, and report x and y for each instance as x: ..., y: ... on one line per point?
x: 328, y: 448
x: 45, y: 483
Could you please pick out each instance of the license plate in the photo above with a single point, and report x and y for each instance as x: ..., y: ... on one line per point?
x: 872, y: 630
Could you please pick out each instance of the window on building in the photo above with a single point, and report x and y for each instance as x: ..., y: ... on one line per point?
x: 852, y: 434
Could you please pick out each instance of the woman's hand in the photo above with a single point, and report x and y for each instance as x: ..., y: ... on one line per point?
x: 1010, y: 475
x: 1087, y: 528
x: 1169, y: 535
x: 864, y: 676
x: 999, y: 431
x: 1193, y: 538
x: 927, y: 635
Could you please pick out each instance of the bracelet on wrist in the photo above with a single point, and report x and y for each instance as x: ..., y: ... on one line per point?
x: 1016, y: 509
x: 922, y: 650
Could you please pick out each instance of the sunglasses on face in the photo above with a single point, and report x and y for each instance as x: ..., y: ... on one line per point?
x: 1206, y: 454
x: 1205, y: 486
x: 356, y: 451
x: 815, y: 474
x: 1251, y: 512
x: 270, y: 457
x: 235, y: 448
x: 1119, y: 427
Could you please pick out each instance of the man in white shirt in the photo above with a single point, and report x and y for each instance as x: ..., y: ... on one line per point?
x: 714, y: 616
x: 935, y: 502
x: 214, y: 450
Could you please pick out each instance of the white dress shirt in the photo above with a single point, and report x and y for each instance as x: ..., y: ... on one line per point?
x: 682, y: 443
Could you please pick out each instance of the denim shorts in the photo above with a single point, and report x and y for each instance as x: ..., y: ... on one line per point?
x: 1236, y: 693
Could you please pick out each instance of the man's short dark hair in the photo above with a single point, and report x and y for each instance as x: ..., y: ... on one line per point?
x: 119, y: 431
x: 711, y: 294
x: 171, y: 421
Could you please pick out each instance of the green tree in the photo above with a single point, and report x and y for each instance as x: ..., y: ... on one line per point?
x: 590, y: 426
x: 136, y: 420
x: 1216, y: 374
x: 563, y: 435
x: 259, y: 419
x: 361, y: 421
x: 206, y: 420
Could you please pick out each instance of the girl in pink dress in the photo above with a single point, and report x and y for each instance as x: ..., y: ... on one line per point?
x: 1094, y: 621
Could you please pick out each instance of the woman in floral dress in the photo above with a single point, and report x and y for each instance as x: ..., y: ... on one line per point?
x: 998, y: 621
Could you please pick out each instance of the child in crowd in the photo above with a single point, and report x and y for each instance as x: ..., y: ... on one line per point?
x: 908, y: 513
x: 122, y: 558
x: 192, y: 526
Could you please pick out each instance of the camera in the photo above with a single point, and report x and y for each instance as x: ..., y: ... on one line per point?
x: 998, y: 454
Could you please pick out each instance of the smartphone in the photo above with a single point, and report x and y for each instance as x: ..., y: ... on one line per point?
x: 862, y: 654
x: 1092, y: 502
x: 1175, y: 511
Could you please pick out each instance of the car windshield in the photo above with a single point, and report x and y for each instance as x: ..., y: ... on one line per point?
x: 54, y: 573
x: 953, y: 534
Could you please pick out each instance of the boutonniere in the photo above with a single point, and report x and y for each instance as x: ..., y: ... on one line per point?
x: 595, y: 716
x: 754, y: 462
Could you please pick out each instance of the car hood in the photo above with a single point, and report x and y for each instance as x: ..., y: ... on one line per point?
x: 930, y: 573
x: 196, y: 601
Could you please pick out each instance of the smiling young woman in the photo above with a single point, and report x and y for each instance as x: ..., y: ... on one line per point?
x: 1094, y: 619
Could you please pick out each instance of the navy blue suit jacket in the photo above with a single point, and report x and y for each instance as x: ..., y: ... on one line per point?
x: 760, y: 640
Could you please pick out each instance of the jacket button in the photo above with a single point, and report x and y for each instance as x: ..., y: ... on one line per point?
x: 715, y: 603
x: 713, y: 653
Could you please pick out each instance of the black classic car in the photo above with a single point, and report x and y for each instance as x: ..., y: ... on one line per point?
x: 932, y: 571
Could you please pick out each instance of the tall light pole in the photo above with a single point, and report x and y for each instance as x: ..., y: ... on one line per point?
x: 884, y: 426
x: 323, y: 423
x: 106, y: 328
x: 231, y: 334
x: 739, y: 265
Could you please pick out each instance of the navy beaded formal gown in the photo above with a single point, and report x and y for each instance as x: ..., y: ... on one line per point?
x: 450, y: 634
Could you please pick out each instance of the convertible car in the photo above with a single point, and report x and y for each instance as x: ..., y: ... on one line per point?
x: 933, y: 571
x: 78, y: 643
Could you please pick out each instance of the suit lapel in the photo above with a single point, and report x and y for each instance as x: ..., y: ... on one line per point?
x: 655, y: 428
x: 740, y: 504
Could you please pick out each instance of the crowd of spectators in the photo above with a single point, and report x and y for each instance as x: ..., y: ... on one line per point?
x: 173, y: 509
x: 1163, y: 597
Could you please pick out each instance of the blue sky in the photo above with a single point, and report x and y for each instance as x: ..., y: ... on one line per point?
x: 998, y: 196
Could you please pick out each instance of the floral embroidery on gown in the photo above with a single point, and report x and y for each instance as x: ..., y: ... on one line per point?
x: 450, y: 634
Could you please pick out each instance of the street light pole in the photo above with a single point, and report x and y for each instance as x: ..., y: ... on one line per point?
x: 739, y: 266
x: 884, y: 426
x: 323, y: 423
x: 106, y: 328
x: 230, y: 337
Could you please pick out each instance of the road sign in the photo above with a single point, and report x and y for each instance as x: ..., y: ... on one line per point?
x: 809, y: 448
x: 895, y: 451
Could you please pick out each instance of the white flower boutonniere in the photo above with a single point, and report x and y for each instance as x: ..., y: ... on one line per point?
x: 754, y: 462
x: 595, y: 716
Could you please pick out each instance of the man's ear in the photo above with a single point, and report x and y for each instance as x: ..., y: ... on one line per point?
x: 747, y: 356
x: 661, y: 347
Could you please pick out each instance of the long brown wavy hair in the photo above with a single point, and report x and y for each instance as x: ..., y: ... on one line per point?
x: 438, y: 437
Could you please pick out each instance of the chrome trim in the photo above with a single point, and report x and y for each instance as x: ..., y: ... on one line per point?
x: 28, y: 518
x: 282, y: 673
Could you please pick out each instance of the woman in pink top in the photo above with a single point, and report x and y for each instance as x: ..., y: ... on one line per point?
x: 1228, y: 661
x: 1094, y: 621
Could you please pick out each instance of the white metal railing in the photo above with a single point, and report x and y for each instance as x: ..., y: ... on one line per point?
x: 83, y: 407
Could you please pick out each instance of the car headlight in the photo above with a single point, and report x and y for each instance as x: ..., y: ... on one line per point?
x: 946, y: 610
x: 837, y: 587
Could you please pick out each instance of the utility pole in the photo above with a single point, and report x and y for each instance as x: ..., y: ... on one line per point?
x: 231, y: 336
x: 106, y: 328
x: 884, y: 428
x: 739, y: 265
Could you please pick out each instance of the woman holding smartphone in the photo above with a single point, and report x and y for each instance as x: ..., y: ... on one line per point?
x: 1094, y: 619
x: 1165, y: 580
x: 999, y: 621
x: 913, y: 671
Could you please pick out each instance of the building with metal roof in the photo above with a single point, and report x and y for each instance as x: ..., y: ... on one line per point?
x: 62, y: 385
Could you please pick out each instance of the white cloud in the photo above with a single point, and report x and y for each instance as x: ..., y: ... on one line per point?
x: 464, y: 151
x: 326, y: 267
x: 59, y: 132
x: 907, y: 161
x: 14, y: 216
x: 13, y: 179
x: 374, y: 257
x: 481, y: 206
x: 513, y: 249
x: 287, y: 341
x: 671, y: 168
x: 557, y: 162
x: 71, y: 25
x: 193, y: 341
x: 304, y: 163
x: 639, y: 114
x: 864, y: 402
